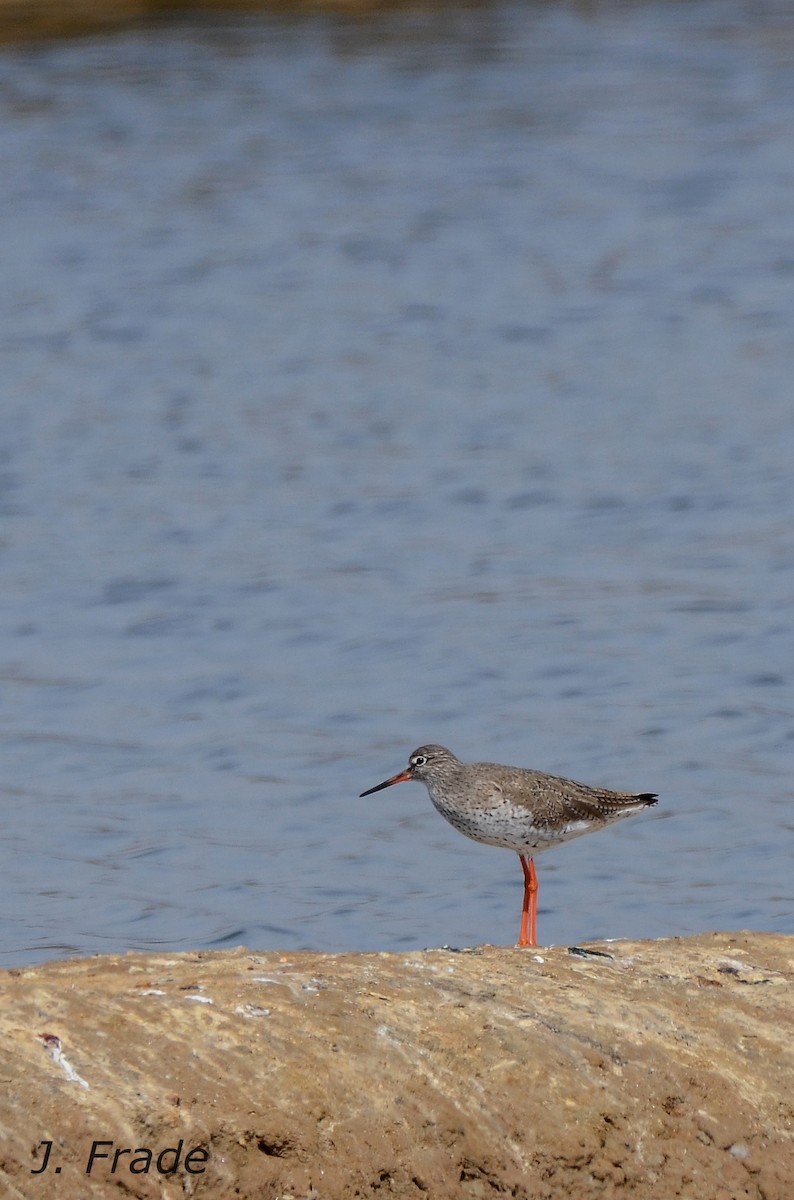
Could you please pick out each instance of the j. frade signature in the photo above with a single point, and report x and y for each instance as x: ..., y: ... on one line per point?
x: 138, y: 1161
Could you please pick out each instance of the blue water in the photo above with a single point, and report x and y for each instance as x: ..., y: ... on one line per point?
x: 367, y: 382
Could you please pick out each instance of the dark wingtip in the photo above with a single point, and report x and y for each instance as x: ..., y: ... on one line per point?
x: 649, y: 798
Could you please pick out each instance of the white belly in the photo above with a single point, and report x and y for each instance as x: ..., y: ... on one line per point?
x: 509, y: 826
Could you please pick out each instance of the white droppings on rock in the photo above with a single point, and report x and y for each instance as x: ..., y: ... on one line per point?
x: 53, y: 1044
x: 252, y: 1010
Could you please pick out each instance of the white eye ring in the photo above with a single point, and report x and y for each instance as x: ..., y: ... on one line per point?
x: 419, y: 761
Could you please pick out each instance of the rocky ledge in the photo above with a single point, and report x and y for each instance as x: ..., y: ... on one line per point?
x: 24, y: 19
x: 661, y: 1069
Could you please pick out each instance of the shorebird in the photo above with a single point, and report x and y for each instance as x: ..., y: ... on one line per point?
x: 514, y: 807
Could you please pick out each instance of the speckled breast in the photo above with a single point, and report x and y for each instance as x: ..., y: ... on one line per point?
x: 499, y: 822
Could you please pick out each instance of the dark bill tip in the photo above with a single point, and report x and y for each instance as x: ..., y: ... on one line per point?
x: 401, y: 778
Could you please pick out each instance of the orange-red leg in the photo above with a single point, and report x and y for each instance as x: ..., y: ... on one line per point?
x: 529, y: 912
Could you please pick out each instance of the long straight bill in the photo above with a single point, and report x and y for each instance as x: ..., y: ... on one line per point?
x: 403, y: 777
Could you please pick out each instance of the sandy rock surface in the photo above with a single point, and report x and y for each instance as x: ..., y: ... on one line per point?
x: 657, y: 1069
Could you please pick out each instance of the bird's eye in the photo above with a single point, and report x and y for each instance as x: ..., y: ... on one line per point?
x: 419, y: 760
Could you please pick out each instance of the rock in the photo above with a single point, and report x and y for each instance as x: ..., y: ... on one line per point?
x: 660, y: 1069
x: 47, y: 18
x: 22, y: 19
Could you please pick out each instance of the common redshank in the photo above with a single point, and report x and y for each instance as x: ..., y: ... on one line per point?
x: 514, y: 807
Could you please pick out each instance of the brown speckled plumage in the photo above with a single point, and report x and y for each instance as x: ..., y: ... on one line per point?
x: 515, y: 807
